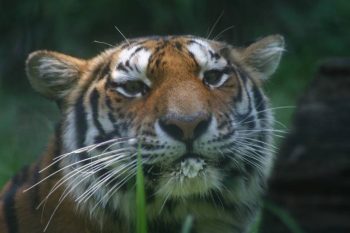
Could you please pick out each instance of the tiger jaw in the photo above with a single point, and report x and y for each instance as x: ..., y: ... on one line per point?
x: 191, y: 177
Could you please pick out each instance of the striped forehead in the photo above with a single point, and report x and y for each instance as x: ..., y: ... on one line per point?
x: 205, y: 55
x: 132, y: 62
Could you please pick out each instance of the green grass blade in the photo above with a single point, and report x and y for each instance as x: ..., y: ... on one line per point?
x: 255, y: 228
x: 284, y: 216
x: 187, y: 225
x: 141, y: 218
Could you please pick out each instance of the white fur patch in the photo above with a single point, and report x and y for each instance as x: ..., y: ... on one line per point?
x: 191, y: 167
x: 201, y: 51
x: 54, y: 69
x: 139, y: 60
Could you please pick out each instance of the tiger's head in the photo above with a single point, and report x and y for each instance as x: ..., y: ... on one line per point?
x: 192, y: 108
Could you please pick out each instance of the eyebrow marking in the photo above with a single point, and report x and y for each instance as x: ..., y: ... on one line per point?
x: 136, y: 51
x: 127, y: 64
x: 132, y: 65
x: 121, y: 67
x: 214, y: 55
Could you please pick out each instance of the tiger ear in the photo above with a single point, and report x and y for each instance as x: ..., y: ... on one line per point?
x: 264, y: 55
x: 53, y: 74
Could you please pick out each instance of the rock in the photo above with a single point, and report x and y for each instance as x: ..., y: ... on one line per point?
x: 311, y: 179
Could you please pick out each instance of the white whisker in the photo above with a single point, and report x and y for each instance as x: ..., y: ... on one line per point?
x: 89, y: 192
x: 101, y: 42
x: 67, y: 166
x: 84, y: 149
x: 73, y: 173
x: 214, y: 25
x: 122, y: 34
x: 223, y: 31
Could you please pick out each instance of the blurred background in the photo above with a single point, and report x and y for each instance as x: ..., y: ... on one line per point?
x: 313, y: 30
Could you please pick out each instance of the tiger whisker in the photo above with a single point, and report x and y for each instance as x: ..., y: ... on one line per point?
x: 258, y: 141
x: 266, y: 110
x: 83, y: 149
x: 255, y: 133
x: 114, y: 142
x: 102, y: 42
x: 214, y: 25
x: 117, y: 152
x: 71, y: 174
x: 122, y: 35
x: 167, y: 196
x: 64, y: 195
x: 254, y: 146
x: 262, y: 130
x: 115, y: 188
x: 112, y: 191
x: 69, y: 165
x: 235, y: 162
x: 88, y: 193
x: 252, y: 153
x: 92, y: 190
x: 223, y: 31
x: 243, y: 157
x: 273, y: 120
x: 80, y: 150
x: 248, y: 145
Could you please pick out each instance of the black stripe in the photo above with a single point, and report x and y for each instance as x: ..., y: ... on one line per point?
x: 94, y: 98
x: 178, y: 45
x: 213, y: 55
x: 35, y: 190
x: 80, y: 121
x: 127, y: 64
x: 100, y: 71
x: 259, y: 100
x: 58, y: 145
x: 189, y: 42
x: 249, y: 122
x: 122, y: 67
x: 239, y: 96
x: 9, y: 209
x: 111, y: 116
x: 81, y: 126
x: 193, y: 58
x: 242, y: 74
x: 10, y: 202
x: 260, y: 106
x: 136, y: 51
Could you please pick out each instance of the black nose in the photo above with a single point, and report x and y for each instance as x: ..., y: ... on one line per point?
x: 185, y: 128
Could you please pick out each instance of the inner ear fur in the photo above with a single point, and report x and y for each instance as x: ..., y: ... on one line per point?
x: 53, y: 74
x: 264, y: 55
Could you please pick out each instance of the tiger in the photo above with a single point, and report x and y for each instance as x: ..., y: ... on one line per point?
x: 190, y: 111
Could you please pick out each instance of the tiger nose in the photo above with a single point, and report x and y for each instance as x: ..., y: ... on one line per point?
x: 185, y: 128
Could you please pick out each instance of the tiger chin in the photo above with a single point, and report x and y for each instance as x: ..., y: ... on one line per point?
x: 192, y: 109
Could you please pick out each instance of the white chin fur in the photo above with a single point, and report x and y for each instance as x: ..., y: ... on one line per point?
x: 191, y: 167
x: 192, y: 178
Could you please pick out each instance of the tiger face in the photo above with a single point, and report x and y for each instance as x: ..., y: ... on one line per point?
x: 193, y: 110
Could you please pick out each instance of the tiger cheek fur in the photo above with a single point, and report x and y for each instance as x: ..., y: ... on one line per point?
x: 196, y: 109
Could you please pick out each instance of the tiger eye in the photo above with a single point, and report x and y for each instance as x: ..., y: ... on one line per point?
x: 212, y: 77
x: 132, y: 88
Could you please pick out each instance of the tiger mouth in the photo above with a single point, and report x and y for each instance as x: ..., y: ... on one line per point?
x: 216, y: 162
x: 189, y: 165
x: 188, y: 156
